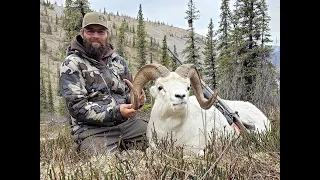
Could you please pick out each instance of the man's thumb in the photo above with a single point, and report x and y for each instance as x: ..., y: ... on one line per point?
x: 129, y: 106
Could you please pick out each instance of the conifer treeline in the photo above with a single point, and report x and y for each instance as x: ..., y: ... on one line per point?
x: 235, y: 53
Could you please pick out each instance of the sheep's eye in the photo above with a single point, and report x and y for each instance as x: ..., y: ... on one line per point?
x: 188, y: 88
x: 160, y: 88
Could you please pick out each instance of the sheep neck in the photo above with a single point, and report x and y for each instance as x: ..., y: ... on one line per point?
x: 173, y: 120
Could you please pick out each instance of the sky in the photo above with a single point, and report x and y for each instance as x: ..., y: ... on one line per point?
x: 173, y: 12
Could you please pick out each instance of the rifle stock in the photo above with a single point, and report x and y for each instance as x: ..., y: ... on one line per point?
x: 231, y: 116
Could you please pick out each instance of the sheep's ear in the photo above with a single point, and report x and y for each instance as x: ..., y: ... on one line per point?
x: 153, y: 91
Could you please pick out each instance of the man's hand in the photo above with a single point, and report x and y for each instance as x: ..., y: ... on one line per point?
x: 141, y: 97
x: 127, y: 111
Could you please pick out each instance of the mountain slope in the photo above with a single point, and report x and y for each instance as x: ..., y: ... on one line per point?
x: 275, y: 58
x: 175, y: 36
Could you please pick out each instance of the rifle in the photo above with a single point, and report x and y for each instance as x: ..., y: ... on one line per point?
x: 231, y: 116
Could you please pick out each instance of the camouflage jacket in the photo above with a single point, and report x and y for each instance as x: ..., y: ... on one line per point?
x: 92, y: 94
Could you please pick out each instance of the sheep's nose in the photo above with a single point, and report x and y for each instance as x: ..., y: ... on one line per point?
x: 181, y: 96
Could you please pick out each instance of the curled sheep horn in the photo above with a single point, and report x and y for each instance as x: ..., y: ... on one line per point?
x: 145, y: 74
x: 190, y: 71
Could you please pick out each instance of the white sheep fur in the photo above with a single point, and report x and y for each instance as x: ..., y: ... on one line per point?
x: 185, y: 119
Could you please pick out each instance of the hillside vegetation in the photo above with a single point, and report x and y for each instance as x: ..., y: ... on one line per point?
x: 54, y: 53
x: 53, y: 44
x: 254, y: 157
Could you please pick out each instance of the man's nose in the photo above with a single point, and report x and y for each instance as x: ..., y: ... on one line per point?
x: 95, y: 34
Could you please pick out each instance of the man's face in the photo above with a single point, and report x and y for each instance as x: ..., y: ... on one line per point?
x: 95, y: 39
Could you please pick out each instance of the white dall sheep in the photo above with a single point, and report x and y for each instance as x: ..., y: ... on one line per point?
x: 185, y: 118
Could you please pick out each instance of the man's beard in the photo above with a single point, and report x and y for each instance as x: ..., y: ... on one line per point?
x: 93, y: 52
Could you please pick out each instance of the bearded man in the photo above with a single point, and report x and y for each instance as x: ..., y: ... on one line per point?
x: 91, y: 83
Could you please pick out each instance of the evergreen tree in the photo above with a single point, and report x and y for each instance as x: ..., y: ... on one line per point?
x: 141, y: 46
x: 151, y: 49
x: 151, y: 57
x: 164, y: 54
x: 127, y: 29
x: 43, y: 92
x: 141, y: 40
x: 57, y: 20
x: 174, y: 63
x: 73, y: 14
x: 50, y: 93
x: 133, y: 41
x: 133, y: 31
x: 112, y: 36
x: 229, y: 71
x: 49, y: 30
x: 263, y: 30
x: 191, y: 51
x: 58, y: 85
x: 45, y: 10
x: 225, y: 72
x: 265, y: 87
x: 210, y: 55
x: 246, y: 49
x: 224, y: 25
x: 120, y: 39
x: 44, y: 46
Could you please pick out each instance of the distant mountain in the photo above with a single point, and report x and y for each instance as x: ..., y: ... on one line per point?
x: 275, y: 57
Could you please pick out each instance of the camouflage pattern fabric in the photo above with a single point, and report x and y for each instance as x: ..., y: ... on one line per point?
x: 93, y: 94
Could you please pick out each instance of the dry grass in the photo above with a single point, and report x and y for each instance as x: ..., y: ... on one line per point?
x: 256, y: 157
